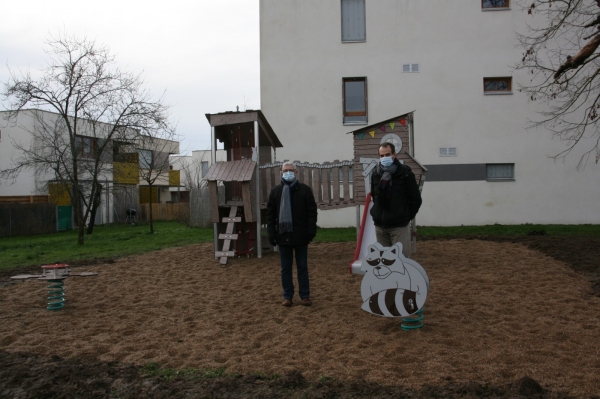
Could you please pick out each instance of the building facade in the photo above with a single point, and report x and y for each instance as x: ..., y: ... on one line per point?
x: 127, y: 163
x: 330, y: 68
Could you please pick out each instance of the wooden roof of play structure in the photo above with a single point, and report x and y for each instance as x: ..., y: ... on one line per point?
x: 231, y: 171
x: 221, y: 121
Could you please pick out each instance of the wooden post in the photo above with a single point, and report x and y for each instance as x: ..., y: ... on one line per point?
x: 214, y: 201
x: 335, y: 183
x: 247, y: 201
x: 346, y: 184
x: 326, y: 183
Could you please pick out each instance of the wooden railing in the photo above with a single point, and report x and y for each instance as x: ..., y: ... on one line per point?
x: 331, y: 182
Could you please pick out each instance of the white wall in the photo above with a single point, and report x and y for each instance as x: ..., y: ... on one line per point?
x: 456, y: 45
x: 17, y: 131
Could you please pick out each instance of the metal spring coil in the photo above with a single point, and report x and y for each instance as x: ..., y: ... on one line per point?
x: 56, y: 295
x: 413, y: 321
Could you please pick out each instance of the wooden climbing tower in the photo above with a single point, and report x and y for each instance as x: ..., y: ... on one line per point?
x: 235, y: 185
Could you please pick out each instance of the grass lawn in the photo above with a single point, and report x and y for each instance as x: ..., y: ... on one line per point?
x: 120, y: 240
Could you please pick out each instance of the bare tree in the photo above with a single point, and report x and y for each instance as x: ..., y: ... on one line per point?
x: 95, y: 104
x: 560, y: 53
x: 155, y: 147
x: 193, y: 169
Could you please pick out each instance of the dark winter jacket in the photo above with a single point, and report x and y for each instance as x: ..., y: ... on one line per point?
x: 405, y: 199
x: 304, y: 216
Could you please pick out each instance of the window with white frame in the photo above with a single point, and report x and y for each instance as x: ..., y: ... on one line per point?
x: 353, y: 21
x: 500, y: 171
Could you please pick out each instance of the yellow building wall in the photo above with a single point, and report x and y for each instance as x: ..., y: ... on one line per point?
x: 126, y: 173
x: 145, y: 195
x: 174, y: 177
x: 59, y: 194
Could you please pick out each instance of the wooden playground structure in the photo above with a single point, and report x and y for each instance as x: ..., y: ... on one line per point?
x: 251, y: 171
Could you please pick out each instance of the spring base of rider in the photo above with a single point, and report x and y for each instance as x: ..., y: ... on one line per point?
x: 56, y: 295
x: 413, y: 321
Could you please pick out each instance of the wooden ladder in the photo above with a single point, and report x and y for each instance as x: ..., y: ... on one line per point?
x: 228, y: 236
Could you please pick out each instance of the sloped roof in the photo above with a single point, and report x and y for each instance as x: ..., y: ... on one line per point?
x: 231, y: 171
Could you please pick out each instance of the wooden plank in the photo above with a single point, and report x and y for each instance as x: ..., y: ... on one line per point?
x: 268, y: 182
x: 310, y: 178
x: 317, y: 192
x: 228, y: 236
x: 326, y: 183
x: 276, y: 173
x: 229, y: 230
x: 335, y: 182
x: 346, y: 182
x: 249, y: 172
x: 224, y: 175
x: 213, y: 194
x: 219, y: 166
x: 219, y: 254
x: 306, y: 176
x: 222, y: 169
x: 236, y: 203
x: 234, y: 171
x: 237, y: 219
x: 241, y: 173
x: 232, y: 118
x: 247, y: 202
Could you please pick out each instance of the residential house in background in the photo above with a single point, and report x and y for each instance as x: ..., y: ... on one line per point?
x: 192, y: 169
x: 124, y: 163
x: 329, y: 68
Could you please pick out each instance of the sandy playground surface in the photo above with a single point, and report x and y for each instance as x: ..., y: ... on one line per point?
x: 496, y: 311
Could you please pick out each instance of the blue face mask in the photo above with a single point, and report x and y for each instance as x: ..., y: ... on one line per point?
x: 288, y: 176
x: 386, y: 161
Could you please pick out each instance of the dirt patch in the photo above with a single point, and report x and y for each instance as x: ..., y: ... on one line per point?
x: 501, y: 320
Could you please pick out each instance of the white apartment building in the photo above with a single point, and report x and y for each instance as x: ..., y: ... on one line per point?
x: 331, y: 67
x: 122, y: 184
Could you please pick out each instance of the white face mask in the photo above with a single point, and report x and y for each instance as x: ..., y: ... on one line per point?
x: 386, y: 161
x: 288, y: 175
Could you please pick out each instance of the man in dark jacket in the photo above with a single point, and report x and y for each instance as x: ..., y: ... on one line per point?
x: 292, y: 224
x: 396, y: 199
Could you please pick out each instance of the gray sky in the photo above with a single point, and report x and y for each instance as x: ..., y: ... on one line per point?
x: 204, y: 54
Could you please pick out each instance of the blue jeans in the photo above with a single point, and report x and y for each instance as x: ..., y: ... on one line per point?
x: 286, y: 253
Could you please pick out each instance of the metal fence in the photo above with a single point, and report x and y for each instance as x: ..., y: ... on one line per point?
x: 27, y: 219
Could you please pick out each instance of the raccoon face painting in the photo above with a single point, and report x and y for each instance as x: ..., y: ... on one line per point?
x: 383, y: 261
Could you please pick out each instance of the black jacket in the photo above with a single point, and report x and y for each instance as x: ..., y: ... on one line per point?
x: 404, y: 203
x: 304, y: 216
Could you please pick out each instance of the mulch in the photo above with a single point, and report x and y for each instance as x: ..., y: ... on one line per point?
x: 185, y: 311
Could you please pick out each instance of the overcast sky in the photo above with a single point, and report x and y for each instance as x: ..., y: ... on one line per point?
x: 204, y: 54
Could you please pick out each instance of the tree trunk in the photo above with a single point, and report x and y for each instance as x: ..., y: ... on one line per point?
x: 95, y: 206
x: 150, y: 211
x: 78, y: 216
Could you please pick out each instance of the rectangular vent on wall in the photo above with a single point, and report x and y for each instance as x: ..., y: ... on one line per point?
x: 410, y: 68
x: 447, y: 151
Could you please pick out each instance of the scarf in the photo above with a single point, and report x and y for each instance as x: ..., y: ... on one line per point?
x: 385, y: 184
x: 285, y: 207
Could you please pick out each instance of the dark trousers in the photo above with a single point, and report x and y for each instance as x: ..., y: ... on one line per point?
x: 286, y: 253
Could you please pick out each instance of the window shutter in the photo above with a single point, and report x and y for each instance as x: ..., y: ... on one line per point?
x: 353, y: 20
